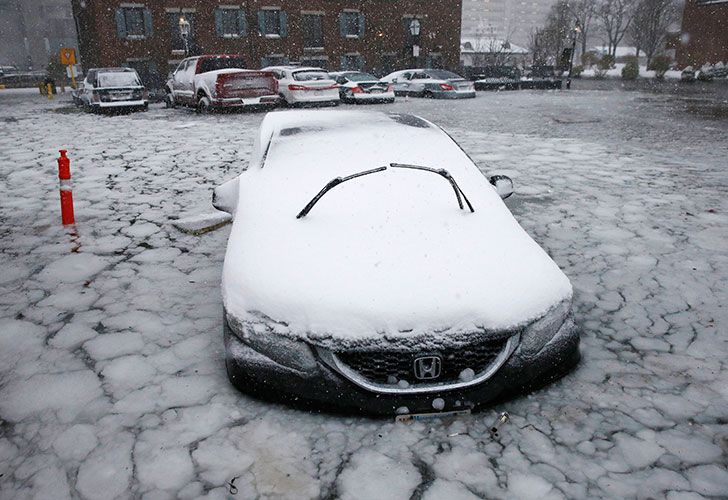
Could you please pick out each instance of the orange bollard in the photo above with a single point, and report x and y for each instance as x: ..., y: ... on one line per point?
x: 64, y: 174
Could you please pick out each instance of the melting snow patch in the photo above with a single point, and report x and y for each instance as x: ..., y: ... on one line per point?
x: 204, y: 223
x: 72, y: 269
x: 373, y: 475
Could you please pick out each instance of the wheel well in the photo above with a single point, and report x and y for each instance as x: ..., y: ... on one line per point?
x: 200, y: 94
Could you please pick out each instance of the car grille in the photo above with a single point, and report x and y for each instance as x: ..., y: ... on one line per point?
x: 389, y: 367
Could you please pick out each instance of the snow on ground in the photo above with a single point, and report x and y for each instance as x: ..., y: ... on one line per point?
x: 112, y: 380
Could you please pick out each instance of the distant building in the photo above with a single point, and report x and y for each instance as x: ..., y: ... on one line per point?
x: 491, y: 52
x: 32, y: 31
x: 334, y: 34
x: 704, y: 33
x: 511, y: 20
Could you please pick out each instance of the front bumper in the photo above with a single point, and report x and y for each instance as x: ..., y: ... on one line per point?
x: 314, y: 383
x: 371, y: 98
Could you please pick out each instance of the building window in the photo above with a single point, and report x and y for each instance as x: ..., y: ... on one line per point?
x: 316, y: 62
x: 313, y: 31
x: 272, y: 23
x: 178, y: 43
x: 274, y: 60
x: 230, y: 23
x: 352, y: 62
x: 351, y: 24
x: 133, y: 22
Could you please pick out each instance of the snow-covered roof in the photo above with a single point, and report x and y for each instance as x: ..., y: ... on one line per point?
x: 621, y: 51
x: 478, y: 45
x: 386, y: 253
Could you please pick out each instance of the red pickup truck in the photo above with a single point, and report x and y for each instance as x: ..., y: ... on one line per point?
x: 218, y: 82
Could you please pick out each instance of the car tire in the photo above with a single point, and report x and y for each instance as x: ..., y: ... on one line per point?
x: 204, y: 105
x: 169, y: 100
x: 284, y: 102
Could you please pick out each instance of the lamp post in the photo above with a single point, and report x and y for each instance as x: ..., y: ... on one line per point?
x: 184, y: 31
x: 577, y: 30
x: 415, y: 28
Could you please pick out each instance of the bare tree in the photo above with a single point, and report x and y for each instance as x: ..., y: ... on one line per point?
x: 492, y: 51
x: 584, y: 12
x: 650, y: 21
x: 614, y: 19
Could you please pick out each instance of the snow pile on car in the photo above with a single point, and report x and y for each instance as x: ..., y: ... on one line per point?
x: 388, y: 253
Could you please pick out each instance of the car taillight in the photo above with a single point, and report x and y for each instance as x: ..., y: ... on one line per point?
x: 297, y: 87
x: 356, y: 90
x: 145, y: 94
x: 446, y: 86
x: 95, y: 97
x: 390, y: 88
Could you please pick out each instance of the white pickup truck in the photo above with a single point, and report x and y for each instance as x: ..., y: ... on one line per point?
x: 220, y: 82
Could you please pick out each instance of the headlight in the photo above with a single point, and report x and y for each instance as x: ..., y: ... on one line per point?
x: 283, y: 350
x: 538, y: 333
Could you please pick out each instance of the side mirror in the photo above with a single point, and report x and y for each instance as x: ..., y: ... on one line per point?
x: 503, y: 185
x: 225, y: 196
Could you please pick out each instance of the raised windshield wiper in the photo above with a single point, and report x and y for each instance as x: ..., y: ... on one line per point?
x: 444, y: 173
x: 332, y: 184
x: 338, y: 180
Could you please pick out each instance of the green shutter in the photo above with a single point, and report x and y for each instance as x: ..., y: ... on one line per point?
x: 242, y: 23
x: 362, y: 25
x: 120, y: 23
x: 342, y: 25
x: 261, y: 22
x: 284, y: 24
x: 148, y: 23
x: 360, y: 61
x: 342, y: 66
x: 218, y: 22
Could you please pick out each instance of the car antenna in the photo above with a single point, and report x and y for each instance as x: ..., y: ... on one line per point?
x: 332, y: 184
x: 459, y: 194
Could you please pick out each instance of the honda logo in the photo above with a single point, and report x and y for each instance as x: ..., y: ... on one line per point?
x: 428, y: 367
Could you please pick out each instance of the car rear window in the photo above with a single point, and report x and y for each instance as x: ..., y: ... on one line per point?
x: 442, y: 74
x: 118, y: 79
x: 221, y: 63
x: 361, y: 77
x: 310, y: 75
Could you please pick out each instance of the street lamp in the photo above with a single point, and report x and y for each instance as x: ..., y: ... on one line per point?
x: 184, y: 31
x: 577, y: 30
x: 414, y: 28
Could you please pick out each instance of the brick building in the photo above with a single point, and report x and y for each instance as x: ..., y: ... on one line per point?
x: 704, y: 33
x: 336, y: 34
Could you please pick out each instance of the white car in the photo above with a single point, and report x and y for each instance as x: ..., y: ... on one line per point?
x: 305, y: 85
x: 433, y: 83
x: 111, y: 89
x: 359, y: 87
x: 374, y: 268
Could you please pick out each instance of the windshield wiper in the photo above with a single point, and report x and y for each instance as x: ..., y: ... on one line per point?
x: 332, y: 184
x: 444, y: 173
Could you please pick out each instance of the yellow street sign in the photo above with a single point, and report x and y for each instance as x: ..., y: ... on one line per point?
x: 68, y: 56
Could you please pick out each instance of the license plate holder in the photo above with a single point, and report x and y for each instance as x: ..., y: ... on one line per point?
x: 419, y: 417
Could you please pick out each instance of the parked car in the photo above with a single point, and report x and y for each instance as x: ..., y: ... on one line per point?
x: 359, y: 87
x: 541, y: 78
x: 435, y: 83
x: 398, y: 74
x: 688, y: 75
x: 497, y: 78
x: 111, y: 89
x: 404, y: 284
x: 214, y: 82
x: 305, y: 85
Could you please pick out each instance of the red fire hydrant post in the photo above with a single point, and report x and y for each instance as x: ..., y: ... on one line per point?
x: 64, y: 174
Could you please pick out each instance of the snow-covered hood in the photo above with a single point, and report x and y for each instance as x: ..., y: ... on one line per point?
x: 388, y: 253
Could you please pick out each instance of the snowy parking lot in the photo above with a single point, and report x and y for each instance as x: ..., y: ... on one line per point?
x: 112, y: 376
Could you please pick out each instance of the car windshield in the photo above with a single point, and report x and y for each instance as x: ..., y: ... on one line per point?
x: 310, y: 75
x: 360, y: 77
x: 118, y: 79
x: 441, y: 74
x: 216, y: 63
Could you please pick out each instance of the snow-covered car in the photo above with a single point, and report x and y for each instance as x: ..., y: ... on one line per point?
x: 435, y: 83
x: 214, y: 82
x: 396, y: 75
x: 359, y: 87
x: 375, y: 269
x: 111, y: 88
x: 305, y: 85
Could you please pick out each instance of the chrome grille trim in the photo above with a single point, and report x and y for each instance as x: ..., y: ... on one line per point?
x: 337, y: 365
